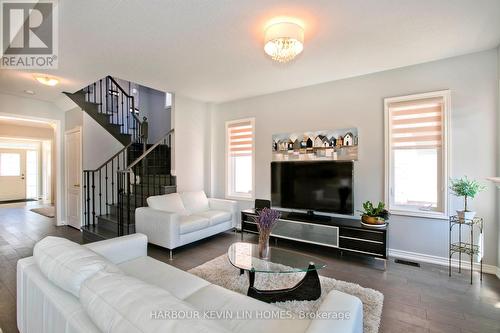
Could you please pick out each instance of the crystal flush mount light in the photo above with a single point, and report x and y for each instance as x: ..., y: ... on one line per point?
x: 284, y: 41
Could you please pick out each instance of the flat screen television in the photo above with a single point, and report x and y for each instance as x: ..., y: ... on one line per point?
x: 323, y: 186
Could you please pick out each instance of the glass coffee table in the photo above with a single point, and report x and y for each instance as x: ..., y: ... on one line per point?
x: 244, y: 256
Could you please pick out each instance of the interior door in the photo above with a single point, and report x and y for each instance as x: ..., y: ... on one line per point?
x: 12, y: 174
x: 73, y: 153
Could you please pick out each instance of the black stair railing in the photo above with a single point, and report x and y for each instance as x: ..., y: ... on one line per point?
x: 149, y: 174
x: 117, y: 104
x: 100, y: 187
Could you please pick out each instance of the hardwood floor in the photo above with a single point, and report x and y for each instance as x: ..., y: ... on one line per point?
x: 421, y: 299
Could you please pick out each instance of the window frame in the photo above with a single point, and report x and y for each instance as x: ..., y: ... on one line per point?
x: 229, y: 194
x: 445, y: 157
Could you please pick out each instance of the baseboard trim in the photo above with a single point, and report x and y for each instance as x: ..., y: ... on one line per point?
x: 442, y: 261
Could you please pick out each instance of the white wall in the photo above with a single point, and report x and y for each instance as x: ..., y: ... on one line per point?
x: 191, y: 144
x: 98, y: 144
x: 37, y: 109
x: 498, y: 163
x: 152, y: 105
x: 358, y: 102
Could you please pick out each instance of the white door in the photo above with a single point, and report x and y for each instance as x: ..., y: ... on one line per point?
x: 12, y: 174
x: 73, y: 155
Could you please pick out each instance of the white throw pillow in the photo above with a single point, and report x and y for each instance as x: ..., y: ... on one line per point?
x: 68, y: 264
x: 118, y: 303
x: 167, y: 202
x: 195, y: 202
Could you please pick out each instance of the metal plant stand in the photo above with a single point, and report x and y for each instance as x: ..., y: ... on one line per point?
x: 468, y: 248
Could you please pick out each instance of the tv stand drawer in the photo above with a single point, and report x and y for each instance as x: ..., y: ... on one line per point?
x: 307, y: 232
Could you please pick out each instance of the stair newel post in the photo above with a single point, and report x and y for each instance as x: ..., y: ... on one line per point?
x: 129, y: 187
x: 123, y: 116
x: 84, y: 198
x: 107, y: 95
x: 112, y: 181
x: 100, y: 193
x: 128, y: 115
x: 100, y: 96
x: 120, y: 202
x: 93, y: 198
x: 106, y: 187
x: 94, y: 92
x: 112, y: 97
x: 88, y: 198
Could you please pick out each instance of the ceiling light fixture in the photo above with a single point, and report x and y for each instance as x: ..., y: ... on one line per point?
x: 284, y: 41
x: 46, y: 80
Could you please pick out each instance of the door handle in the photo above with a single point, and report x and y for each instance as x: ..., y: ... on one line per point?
x: 22, y: 176
x: 76, y: 185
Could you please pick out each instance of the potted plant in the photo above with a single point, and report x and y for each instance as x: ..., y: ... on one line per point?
x: 375, y: 215
x: 464, y: 187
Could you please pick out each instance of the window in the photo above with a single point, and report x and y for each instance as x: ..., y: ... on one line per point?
x: 10, y: 164
x: 240, y: 159
x: 416, y: 154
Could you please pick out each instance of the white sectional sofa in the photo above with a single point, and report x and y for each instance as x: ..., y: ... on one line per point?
x: 113, y: 286
x: 177, y: 219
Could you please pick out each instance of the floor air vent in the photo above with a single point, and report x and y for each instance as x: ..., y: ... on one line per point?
x: 406, y: 262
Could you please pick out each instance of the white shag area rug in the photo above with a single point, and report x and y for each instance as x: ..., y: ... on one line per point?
x: 219, y: 271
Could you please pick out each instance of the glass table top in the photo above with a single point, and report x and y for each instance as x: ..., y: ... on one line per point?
x: 246, y: 256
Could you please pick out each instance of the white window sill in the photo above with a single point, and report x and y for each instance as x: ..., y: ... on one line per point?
x: 240, y: 198
x: 427, y: 215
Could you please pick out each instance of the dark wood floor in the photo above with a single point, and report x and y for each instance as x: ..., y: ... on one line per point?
x: 421, y: 299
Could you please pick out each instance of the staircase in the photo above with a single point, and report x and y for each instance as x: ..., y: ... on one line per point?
x: 113, y: 191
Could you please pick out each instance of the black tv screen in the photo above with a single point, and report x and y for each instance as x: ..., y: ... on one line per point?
x: 323, y: 186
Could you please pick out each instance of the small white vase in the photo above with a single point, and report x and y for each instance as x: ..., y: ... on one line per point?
x: 465, y: 215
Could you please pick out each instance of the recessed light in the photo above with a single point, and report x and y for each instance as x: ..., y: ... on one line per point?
x: 47, y: 80
x: 29, y: 92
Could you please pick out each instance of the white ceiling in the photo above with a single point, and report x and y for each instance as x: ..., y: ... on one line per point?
x: 213, y: 50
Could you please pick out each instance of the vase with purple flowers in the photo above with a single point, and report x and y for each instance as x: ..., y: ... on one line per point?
x: 266, y: 220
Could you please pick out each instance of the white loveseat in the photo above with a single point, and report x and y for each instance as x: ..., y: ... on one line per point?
x: 177, y: 219
x: 113, y: 286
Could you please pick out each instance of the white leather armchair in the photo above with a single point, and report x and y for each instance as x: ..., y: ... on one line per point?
x: 176, y: 219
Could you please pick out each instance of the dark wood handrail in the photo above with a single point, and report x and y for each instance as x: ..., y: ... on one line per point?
x: 146, y: 153
x: 126, y: 94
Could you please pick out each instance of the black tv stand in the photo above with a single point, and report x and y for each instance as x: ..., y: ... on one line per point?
x: 347, y: 235
x: 309, y: 216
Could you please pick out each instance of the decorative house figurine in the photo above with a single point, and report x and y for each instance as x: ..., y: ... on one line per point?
x: 318, y: 141
x: 333, y: 141
x: 355, y: 140
x: 290, y: 144
x: 340, y: 141
x: 283, y: 145
x: 275, y: 146
x: 296, y: 145
x: 348, y: 139
x: 309, y: 143
x: 303, y: 143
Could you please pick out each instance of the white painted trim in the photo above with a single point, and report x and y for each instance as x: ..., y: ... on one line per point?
x: 76, y: 129
x: 442, y: 261
x: 498, y: 272
x: 446, y: 95
x: 59, y: 175
x: 227, y: 193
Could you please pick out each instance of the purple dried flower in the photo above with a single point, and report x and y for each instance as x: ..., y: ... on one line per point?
x: 267, y: 218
